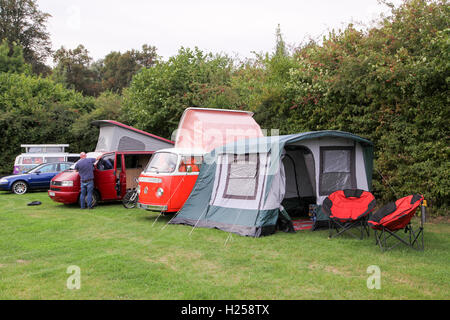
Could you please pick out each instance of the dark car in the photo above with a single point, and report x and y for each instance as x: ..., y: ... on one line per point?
x: 37, y: 178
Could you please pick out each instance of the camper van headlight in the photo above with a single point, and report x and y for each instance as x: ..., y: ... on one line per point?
x: 66, y: 183
x: 145, y: 190
x: 138, y: 189
x: 159, y: 192
x: 2, y: 181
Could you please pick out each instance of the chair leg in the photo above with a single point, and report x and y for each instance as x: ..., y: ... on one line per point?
x: 411, y: 239
x: 346, y: 226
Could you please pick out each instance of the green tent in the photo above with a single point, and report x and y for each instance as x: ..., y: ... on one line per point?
x: 248, y: 187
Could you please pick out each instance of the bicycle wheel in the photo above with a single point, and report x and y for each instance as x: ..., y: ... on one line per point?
x: 130, y: 199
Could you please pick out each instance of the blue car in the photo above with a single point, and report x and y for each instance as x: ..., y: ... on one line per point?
x: 37, y: 178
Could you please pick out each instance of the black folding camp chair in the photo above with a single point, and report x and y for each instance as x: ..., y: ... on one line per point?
x: 396, y: 216
x: 348, y: 209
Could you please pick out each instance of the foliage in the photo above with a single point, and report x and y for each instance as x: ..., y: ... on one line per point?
x: 117, y: 69
x: 73, y: 70
x: 36, y: 110
x: 12, y: 60
x: 106, y: 107
x: 389, y: 84
x: 22, y: 22
x: 260, y: 84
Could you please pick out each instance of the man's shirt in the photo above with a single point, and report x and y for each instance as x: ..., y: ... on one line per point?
x: 85, y: 168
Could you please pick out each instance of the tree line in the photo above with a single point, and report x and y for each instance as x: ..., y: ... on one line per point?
x: 387, y: 83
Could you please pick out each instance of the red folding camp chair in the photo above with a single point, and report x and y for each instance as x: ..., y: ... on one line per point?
x: 348, y: 209
x: 396, y: 216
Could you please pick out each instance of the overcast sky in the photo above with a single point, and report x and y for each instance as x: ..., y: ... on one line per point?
x: 235, y: 27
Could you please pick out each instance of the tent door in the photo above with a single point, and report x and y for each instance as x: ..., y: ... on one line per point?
x: 300, y: 187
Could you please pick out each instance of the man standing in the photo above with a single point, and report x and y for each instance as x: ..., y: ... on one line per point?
x: 85, y: 168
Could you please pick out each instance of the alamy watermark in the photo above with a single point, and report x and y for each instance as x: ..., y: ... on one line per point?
x: 74, y: 280
x: 374, y: 280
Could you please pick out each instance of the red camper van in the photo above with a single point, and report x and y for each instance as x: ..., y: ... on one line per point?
x: 167, y: 181
x: 122, y: 153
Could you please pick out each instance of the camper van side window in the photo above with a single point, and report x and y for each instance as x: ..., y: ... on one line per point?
x: 106, y: 163
x: 337, y: 169
x: 190, y: 164
x: 32, y: 160
x: 242, y: 177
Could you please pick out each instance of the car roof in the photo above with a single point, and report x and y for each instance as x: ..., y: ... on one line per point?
x: 59, y: 162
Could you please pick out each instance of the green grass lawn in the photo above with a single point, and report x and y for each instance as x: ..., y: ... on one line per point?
x: 128, y: 254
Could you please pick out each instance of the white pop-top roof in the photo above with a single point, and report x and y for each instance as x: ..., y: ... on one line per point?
x: 43, y: 147
x: 207, y: 129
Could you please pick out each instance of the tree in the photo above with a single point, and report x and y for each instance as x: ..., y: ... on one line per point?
x: 280, y: 49
x: 22, y: 22
x: 147, y: 57
x: 119, y: 68
x: 73, y: 69
x: 12, y: 60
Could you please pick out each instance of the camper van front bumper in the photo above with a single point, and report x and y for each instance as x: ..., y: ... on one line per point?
x: 152, y: 207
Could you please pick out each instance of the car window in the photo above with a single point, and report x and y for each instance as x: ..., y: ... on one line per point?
x: 48, y: 168
x: 54, y: 159
x: 64, y: 166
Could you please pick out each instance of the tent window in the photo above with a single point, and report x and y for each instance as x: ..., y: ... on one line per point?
x: 242, y: 177
x: 337, y: 169
x: 130, y: 144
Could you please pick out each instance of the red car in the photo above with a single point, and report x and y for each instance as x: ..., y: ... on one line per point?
x: 114, y: 173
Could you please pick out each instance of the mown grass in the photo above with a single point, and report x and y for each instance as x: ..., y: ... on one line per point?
x: 130, y: 254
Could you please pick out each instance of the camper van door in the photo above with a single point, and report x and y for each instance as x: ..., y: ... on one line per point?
x: 105, y: 178
x: 121, y: 175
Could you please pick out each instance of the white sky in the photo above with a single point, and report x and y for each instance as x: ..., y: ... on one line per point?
x: 227, y: 26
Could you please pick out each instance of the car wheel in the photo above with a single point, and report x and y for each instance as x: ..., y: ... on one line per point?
x: 19, y: 187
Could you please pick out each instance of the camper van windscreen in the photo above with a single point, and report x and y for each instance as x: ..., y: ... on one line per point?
x: 162, y: 162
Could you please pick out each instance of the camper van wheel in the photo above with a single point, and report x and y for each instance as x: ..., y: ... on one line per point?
x: 19, y: 187
x: 95, y: 199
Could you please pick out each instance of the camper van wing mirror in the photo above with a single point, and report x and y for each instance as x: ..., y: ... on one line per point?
x: 37, y: 172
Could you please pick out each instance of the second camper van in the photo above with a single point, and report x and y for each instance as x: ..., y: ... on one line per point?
x: 167, y: 181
